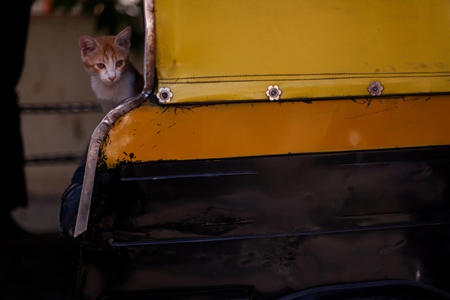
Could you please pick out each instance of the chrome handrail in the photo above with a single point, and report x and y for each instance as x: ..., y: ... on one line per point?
x: 105, y: 125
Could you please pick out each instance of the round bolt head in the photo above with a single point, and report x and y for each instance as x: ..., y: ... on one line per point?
x: 164, y: 95
x: 375, y: 88
x: 273, y: 92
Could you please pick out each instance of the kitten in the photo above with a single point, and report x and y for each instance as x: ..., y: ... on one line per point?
x: 113, y: 77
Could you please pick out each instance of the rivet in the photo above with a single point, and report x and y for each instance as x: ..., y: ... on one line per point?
x: 375, y: 88
x: 273, y: 92
x: 164, y: 95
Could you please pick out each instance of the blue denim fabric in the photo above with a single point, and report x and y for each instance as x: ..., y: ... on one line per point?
x: 70, y: 201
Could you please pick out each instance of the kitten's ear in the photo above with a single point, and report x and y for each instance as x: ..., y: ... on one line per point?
x: 123, y: 39
x: 87, y: 45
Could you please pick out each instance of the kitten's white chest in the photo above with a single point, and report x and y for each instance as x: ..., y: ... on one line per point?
x: 110, y: 95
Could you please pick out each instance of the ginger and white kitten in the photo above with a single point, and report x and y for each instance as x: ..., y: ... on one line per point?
x: 113, y: 77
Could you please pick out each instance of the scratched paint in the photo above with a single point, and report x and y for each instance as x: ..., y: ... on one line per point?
x: 152, y: 133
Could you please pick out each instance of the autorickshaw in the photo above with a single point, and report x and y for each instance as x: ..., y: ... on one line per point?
x: 280, y: 149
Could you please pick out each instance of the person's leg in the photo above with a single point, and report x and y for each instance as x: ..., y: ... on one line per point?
x: 14, y: 185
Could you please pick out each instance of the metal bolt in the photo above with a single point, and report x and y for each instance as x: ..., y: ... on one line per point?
x: 273, y: 92
x: 375, y: 88
x: 164, y: 95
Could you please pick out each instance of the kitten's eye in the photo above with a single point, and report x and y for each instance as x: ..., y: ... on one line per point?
x: 119, y: 63
x: 100, y: 65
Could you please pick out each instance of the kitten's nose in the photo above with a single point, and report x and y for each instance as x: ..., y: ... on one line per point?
x: 111, y: 78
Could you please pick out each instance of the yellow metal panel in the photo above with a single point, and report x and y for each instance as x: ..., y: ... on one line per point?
x: 231, y: 50
x: 152, y: 133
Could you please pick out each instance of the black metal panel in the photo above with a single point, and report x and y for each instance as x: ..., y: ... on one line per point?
x: 278, y: 224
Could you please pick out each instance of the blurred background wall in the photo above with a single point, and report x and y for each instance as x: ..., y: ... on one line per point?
x: 59, y: 112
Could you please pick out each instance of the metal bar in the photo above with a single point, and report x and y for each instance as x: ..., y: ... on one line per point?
x: 40, y: 159
x: 105, y: 125
x: 149, y: 59
x: 63, y: 108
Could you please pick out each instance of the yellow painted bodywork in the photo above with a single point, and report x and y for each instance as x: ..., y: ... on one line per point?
x: 153, y: 133
x: 218, y: 58
x: 232, y: 50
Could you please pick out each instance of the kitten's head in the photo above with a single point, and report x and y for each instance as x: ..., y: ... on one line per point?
x: 105, y: 57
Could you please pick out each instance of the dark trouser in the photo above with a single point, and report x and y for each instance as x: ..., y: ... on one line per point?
x: 15, y: 38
